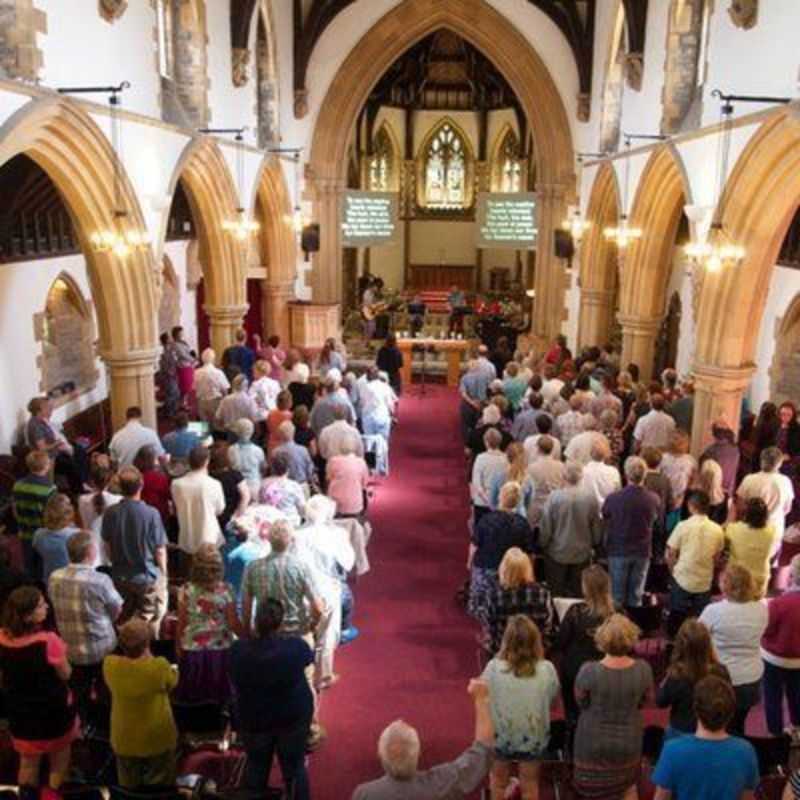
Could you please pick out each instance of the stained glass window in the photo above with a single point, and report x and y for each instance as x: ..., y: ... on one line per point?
x: 381, y: 165
x: 445, y: 170
x: 509, y: 168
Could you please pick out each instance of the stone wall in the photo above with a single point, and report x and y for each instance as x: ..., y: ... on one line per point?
x: 20, y: 21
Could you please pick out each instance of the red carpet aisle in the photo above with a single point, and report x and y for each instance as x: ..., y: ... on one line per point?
x: 417, y: 649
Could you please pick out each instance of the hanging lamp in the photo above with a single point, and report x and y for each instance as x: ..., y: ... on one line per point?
x: 242, y: 227
x: 624, y: 234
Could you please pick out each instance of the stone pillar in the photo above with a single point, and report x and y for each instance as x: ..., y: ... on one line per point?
x: 718, y: 393
x: 596, y: 317
x: 132, y: 383
x: 223, y: 323
x: 275, y: 300
x: 639, y: 342
x: 327, y: 268
x: 550, y: 278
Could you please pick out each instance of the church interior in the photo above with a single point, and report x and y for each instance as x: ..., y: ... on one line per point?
x: 380, y: 295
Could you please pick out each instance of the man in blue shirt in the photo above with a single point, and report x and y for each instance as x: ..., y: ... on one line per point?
x: 711, y: 765
x: 181, y: 441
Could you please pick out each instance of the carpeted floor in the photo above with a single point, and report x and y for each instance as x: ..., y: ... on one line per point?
x: 417, y: 649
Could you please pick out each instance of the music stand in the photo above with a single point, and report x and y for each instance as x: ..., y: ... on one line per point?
x: 416, y: 316
x: 421, y: 348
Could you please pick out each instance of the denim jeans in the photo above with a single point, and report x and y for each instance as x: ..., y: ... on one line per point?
x: 290, y: 746
x: 376, y: 427
x: 778, y: 680
x: 628, y: 576
x: 348, y: 604
x: 683, y: 604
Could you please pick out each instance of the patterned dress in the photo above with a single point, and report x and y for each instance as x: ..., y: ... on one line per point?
x: 205, y: 642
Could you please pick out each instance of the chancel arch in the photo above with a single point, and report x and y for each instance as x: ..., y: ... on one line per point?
x: 599, y: 272
x: 647, y: 264
x: 68, y: 145
x: 759, y: 203
x: 503, y: 44
x: 211, y: 193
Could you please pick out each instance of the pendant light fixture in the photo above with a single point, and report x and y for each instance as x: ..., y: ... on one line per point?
x: 241, y: 228
x: 574, y: 223
x: 718, y: 251
x: 119, y: 237
x: 624, y: 234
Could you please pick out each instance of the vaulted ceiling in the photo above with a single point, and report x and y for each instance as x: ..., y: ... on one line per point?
x: 574, y: 18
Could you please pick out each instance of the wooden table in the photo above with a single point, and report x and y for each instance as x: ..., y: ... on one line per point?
x: 454, y: 349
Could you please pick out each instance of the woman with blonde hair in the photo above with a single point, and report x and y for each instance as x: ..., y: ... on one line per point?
x: 576, y: 633
x: 693, y: 658
x: 50, y: 541
x: 522, y: 688
x: 709, y: 480
x: 207, y: 625
x: 517, y: 593
x: 517, y: 472
x: 608, y: 740
x: 496, y: 532
x: 736, y: 624
x: 679, y: 467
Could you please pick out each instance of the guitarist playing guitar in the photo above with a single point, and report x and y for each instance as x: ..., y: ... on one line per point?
x: 371, y: 307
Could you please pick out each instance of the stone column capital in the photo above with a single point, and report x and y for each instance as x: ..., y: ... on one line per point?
x: 722, y: 380
x: 226, y: 314
x: 551, y: 191
x: 636, y: 325
x: 136, y: 362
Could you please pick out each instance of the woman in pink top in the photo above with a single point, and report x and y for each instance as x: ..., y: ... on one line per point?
x: 272, y: 353
x: 347, y: 476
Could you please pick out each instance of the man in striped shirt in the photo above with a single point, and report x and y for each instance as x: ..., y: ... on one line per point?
x: 30, y: 495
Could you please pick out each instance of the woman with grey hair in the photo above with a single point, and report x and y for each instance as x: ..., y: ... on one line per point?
x: 246, y: 456
x: 211, y: 384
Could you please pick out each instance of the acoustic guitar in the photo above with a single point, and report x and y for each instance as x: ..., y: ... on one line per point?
x: 371, y: 310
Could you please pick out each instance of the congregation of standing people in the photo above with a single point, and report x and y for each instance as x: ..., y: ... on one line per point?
x: 209, y: 561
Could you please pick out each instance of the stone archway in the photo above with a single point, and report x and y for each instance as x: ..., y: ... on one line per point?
x: 599, y: 273
x: 662, y: 193
x: 759, y: 203
x: 212, y: 195
x: 68, y: 145
x: 785, y: 369
x: 495, y: 36
x: 277, y: 246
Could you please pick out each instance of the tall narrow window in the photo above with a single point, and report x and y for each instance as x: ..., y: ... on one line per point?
x: 164, y: 30
x: 381, y: 163
x: 508, y: 166
x: 445, y: 170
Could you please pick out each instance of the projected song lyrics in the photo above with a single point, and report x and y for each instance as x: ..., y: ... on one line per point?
x: 509, y: 221
x: 368, y: 219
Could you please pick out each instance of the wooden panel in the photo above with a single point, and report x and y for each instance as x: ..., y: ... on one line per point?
x: 440, y: 276
x: 313, y: 323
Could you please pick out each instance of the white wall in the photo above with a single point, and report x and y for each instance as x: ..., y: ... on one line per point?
x: 783, y: 288
x: 28, y: 284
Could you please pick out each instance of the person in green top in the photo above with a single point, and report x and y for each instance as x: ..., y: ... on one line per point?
x: 29, y: 496
x: 143, y: 732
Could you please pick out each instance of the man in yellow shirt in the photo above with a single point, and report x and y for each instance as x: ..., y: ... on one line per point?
x: 692, y: 552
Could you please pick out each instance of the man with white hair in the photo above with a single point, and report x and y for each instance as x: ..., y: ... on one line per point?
x: 211, y: 384
x: 569, y: 530
x: 340, y: 432
x: 399, y: 749
x: 580, y: 446
x: 378, y: 402
x: 599, y: 477
x: 472, y: 389
x: 484, y: 365
x: 773, y: 487
x: 324, y: 411
x: 630, y: 516
x: 237, y: 405
x: 301, y: 467
x: 655, y: 428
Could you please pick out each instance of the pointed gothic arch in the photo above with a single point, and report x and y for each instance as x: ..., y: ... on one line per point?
x: 495, y: 36
x: 599, y: 266
x: 211, y: 192
x: 69, y: 146
x: 661, y: 194
x: 384, y: 161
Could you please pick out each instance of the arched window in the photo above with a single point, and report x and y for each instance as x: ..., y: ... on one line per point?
x: 445, y: 169
x: 684, y: 71
x: 611, y: 111
x: 66, y: 331
x: 382, y: 163
x: 507, y: 167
